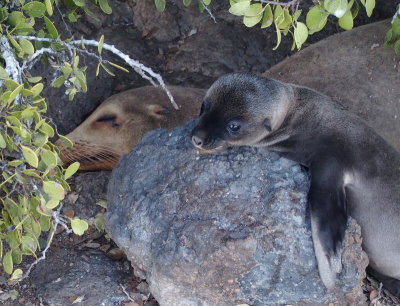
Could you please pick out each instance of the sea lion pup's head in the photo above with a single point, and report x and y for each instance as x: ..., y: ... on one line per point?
x: 240, y: 109
x: 121, y: 120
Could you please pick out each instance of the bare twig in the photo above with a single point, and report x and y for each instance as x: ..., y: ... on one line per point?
x: 126, y: 293
x: 209, y: 11
x: 36, y: 56
x: 12, y: 66
x: 63, y: 20
x: 396, y: 14
x: 294, y: 4
x: 145, y: 72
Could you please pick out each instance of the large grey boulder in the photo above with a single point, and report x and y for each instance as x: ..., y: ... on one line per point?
x: 223, y: 229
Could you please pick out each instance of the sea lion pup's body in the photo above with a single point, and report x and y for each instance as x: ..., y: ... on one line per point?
x: 121, y: 120
x: 354, y: 171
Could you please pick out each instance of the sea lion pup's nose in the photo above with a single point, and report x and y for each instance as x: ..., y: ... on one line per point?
x: 197, y: 141
x: 198, y: 137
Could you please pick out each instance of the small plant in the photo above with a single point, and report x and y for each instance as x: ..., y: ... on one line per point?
x: 286, y: 16
x: 393, y: 35
x: 33, y: 182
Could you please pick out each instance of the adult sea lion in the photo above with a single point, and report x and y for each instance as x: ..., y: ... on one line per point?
x: 121, y: 120
x: 354, y: 171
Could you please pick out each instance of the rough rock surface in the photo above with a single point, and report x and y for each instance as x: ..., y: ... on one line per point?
x: 221, y: 229
x: 354, y: 68
x: 68, y: 276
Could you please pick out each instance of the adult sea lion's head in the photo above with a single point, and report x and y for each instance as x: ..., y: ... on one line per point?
x: 240, y: 109
x: 121, y: 120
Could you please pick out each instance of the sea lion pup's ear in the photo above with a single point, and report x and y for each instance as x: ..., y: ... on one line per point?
x: 156, y: 110
x: 267, y: 125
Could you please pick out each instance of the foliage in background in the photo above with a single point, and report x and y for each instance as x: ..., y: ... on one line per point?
x: 33, y: 182
x: 393, y: 35
x: 286, y: 16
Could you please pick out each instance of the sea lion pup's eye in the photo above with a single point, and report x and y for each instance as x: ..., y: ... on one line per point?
x: 234, y: 127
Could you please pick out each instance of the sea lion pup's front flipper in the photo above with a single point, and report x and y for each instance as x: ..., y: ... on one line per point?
x: 327, y: 200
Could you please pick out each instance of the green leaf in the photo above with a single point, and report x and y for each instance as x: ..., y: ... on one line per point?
x: 160, y: 5
x: 35, y: 79
x: 105, y: 7
x: 268, y: 17
x: 300, y: 34
x: 254, y: 10
x: 187, y: 2
x: 316, y: 19
x: 252, y: 20
x: 239, y: 8
x: 45, y: 223
x: 71, y: 170
x: 49, y: 7
x: 26, y: 46
x: 8, y: 263
x: 3, y: 144
x: 47, y: 129
x: 66, y: 142
x: 341, y: 9
x: 346, y: 22
x: 16, y: 256
x: 106, y: 69
x: 100, y: 46
x: 397, y: 47
x: 278, y: 37
x: 51, y: 28
x: 54, y: 190
x: 331, y: 5
x: 30, y: 156
x: 15, y: 93
x: 14, y: 43
x: 15, y: 18
x: 79, y: 226
x: 28, y: 244
x: 99, y: 223
x: 3, y: 73
x: 49, y: 158
x: 286, y: 21
x: 79, y: 3
x: 57, y: 83
x: 369, y: 7
x: 14, y: 121
x: 34, y: 9
x: 37, y: 89
x: 16, y: 275
x: 396, y: 26
x: 118, y: 67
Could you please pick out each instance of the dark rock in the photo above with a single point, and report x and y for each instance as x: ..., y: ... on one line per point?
x: 89, y: 188
x: 221, y: 229
x: 68, y: 275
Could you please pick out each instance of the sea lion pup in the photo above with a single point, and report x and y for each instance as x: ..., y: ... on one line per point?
x: 121, y: 120
x: 354, y: 171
